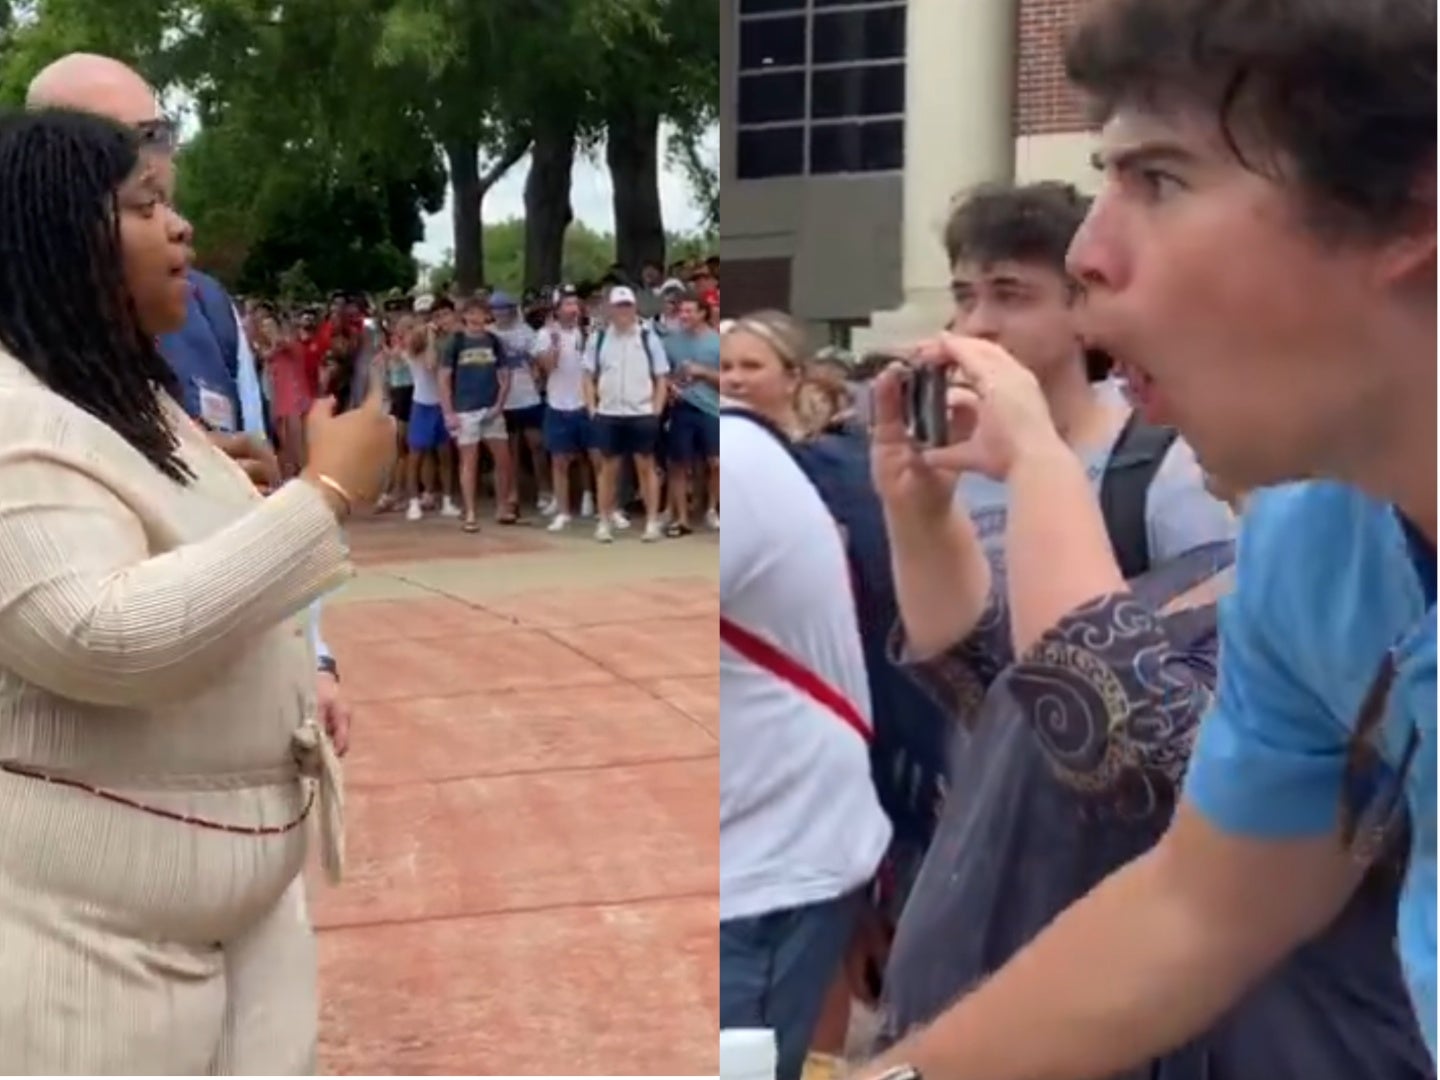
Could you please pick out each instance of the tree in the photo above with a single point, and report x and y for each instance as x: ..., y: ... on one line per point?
x: 587, y: 256
x: 667, y: 67
x: 316, y: 111
x: 499, y: 80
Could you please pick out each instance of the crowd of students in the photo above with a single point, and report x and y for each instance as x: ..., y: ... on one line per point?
x: 594, y: 401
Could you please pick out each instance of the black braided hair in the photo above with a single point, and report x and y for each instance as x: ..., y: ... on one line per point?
x: 65, y: 310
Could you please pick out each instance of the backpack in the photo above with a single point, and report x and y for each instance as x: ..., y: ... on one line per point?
x: 1136, y: 458
x: 648, y: 341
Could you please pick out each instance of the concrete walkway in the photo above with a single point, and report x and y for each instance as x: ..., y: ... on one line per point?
x: 532, y: 883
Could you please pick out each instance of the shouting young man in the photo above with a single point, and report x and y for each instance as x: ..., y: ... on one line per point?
x: 1261, y: 259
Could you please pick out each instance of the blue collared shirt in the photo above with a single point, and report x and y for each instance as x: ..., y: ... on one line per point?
x: 1328, y: 581
x: 252, y: 420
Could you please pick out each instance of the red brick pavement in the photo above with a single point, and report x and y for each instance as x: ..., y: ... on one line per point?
x: 533, y: 854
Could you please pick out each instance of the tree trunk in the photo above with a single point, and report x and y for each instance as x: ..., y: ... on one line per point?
x: 470, y: 187
x: 633, y: 154
x: 464, y: 158
x: 548, y: 212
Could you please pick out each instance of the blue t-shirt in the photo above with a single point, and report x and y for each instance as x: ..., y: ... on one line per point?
x: 703, y: 349
x: 1328, y: 580
x: 475, y: 362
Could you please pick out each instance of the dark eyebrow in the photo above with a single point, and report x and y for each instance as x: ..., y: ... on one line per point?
x: 1154, y: 153
x: 1008, y: 281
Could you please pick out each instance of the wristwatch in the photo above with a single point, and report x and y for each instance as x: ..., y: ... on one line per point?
x: 327, y: 666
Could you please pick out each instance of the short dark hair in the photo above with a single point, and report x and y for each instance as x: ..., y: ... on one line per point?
x: 1033, y: 223
x: 1339, y: 93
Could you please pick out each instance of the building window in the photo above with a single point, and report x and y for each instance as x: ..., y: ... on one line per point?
x: 857, y: 147
x: 821, y: 87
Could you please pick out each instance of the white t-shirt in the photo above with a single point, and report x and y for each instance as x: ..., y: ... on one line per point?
x: 520, y: 349
x: 626, y: 374
x: 800, y: 822
x: 427, y: 383
x: 565, y: 388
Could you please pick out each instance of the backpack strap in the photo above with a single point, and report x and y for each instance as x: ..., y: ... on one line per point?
x: 647, y: 341
x: 1136, y: 458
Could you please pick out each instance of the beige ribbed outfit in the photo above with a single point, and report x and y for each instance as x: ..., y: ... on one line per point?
x: 151, y: 645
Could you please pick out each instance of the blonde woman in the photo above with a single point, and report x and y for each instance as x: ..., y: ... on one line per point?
x: 160, y: 767
x: 801, y: 827
x: 762, y: 364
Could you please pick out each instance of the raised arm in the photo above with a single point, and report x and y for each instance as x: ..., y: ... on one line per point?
x: 88, y: 613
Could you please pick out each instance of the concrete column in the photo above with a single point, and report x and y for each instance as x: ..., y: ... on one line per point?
x: 959, y: 93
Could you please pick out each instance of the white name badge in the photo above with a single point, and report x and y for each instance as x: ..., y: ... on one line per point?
x: 217, y: 411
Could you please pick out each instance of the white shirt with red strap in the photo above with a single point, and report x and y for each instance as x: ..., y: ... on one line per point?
x: 800, y: 822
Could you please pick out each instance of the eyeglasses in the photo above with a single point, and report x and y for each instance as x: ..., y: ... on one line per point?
x: 1372, y: 802
x: 160, y: 134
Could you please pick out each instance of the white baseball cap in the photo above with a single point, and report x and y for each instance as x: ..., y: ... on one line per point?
x: 423, y: 303
x: 622, y: 294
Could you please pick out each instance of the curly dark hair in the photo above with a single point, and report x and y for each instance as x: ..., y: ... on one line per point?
x: 1337, y: 96
x: 1031, y: 223
x: 65, y: 310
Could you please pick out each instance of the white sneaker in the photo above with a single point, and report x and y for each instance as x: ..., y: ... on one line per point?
x: 653, y: 532
x: 587, y: 505
x: 450, y: 510
x: 558, y: 523
x: 603, y: 533
x: 546, y: 505
x: 413, y: 511
x: 712, y: 519
x: 619, y: 520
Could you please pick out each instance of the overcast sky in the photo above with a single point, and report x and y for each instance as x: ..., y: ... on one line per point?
x: 590, y: 194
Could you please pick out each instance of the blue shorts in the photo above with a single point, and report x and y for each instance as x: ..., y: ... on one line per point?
x: 567, y: 431
x: 622, y: 436
x: 694, y: 435
x: 531, y: 416
x: 427, y: 429
x: 776, y: 971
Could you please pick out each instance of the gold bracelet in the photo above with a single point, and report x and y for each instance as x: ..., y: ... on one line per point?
x: 334, y: 485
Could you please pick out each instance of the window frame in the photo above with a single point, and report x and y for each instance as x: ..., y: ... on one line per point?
x: 808, y: 68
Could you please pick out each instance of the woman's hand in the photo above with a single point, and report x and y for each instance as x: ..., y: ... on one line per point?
x: 356, y: 449
x: 998, y: 413
x: 252, y: 454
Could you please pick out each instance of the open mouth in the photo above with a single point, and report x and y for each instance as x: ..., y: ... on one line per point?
x: 1140, y: 389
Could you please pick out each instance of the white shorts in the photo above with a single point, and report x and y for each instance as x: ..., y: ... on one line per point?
x: 483, y: 425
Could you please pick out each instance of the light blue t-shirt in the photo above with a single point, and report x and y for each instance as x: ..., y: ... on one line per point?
x: 1180, y: 515
x: 1328, y: 580
x: 703, y: 349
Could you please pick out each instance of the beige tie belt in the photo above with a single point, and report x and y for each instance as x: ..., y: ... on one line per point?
x: 318, y: 767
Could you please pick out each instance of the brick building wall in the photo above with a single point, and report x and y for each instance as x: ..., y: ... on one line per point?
x: 1044, y: 102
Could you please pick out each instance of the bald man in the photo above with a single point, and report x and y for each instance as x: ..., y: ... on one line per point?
x: 191, y: 1004
x: 105, y: 86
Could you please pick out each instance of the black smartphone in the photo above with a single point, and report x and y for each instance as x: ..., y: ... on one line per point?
x: 926, y: 413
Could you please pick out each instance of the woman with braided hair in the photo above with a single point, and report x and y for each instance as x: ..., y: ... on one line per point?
x: 159, y: 761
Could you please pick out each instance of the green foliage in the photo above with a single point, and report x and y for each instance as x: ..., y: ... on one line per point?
x: 320, y: 121
x: 588, y: 255
x: 296, y: 287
